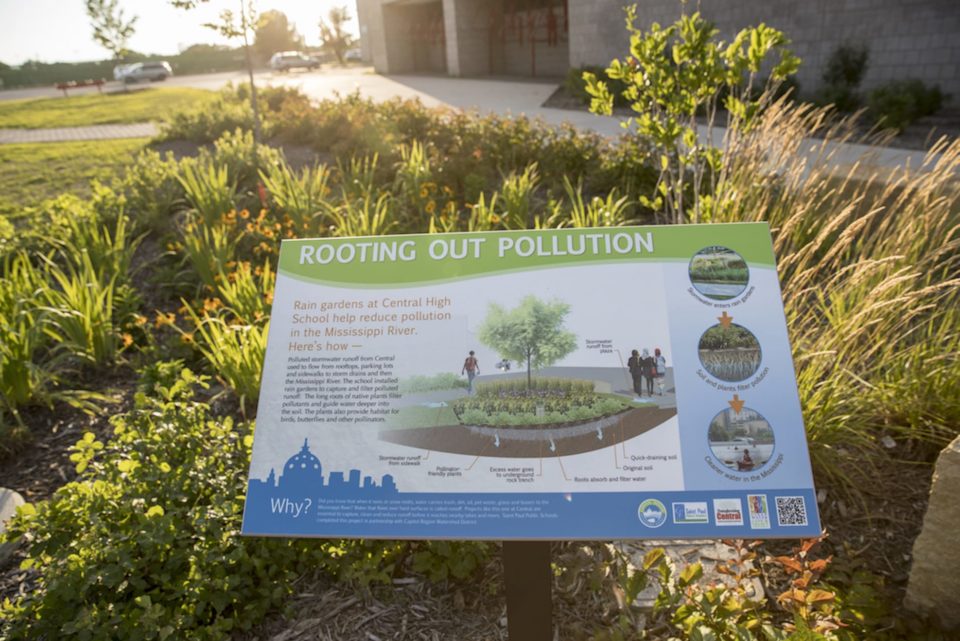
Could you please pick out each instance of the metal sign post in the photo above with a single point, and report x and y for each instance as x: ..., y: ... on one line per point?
x: 528, y: 582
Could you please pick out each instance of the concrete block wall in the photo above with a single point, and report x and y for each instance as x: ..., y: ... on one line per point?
x: 468, y: 37
x: 907, y: 38
x: 514, y: 58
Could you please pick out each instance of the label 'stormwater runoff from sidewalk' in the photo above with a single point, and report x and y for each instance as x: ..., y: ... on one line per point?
x: 631, y: 382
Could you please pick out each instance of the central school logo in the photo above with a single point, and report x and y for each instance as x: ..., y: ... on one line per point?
x: 727, y: 512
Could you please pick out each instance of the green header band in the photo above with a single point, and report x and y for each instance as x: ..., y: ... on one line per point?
x: 430, y: 258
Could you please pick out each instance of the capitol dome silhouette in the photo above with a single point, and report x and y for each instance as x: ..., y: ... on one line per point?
x: 302, y: 470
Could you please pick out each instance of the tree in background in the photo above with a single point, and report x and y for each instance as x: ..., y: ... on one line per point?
x: 232, y: 27
x: 111, y: 29
x: 531, y: 333
x: 274, y: 33
x: 333, y: 35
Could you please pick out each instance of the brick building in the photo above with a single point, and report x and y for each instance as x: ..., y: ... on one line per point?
x: 906, y: 38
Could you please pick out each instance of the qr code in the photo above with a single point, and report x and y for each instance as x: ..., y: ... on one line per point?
x: 791, y: 510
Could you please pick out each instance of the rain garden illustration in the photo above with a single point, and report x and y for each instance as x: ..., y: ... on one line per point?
x: 538, y: 410
x: 719, y: 273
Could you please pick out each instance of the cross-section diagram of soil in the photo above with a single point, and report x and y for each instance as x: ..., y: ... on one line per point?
x: 532, y: 442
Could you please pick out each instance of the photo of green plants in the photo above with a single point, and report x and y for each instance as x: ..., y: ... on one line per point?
x: 719, y: 273
x: 730, y: 353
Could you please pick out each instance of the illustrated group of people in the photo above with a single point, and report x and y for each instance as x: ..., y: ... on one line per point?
x: 643, y: 367
x: 648, y: 369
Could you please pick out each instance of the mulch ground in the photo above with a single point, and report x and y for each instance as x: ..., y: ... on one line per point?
x: 457, y: 439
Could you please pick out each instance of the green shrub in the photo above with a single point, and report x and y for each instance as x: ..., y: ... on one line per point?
x: 84, y: 311
x: 842, y: 76
x: 301, y: 199
x: 209, y: 122
x: 897, y: 104
x: 145, y: 544
x: 234, y: 352
x: 445, y: 560
x: 576, y: 86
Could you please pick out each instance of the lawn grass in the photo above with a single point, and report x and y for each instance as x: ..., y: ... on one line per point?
x: 32, y: 173
x: 137, y: 105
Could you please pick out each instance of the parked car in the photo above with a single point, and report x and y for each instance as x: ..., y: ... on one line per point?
x: 353, y: 55
x: 287, y: 60
x: 152, y: 71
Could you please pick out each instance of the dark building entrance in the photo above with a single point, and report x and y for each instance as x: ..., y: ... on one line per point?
x: 415, y: 36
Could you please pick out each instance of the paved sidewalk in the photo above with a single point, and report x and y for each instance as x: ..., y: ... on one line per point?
x: 68, y: 134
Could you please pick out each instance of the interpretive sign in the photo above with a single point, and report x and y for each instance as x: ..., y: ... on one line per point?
x: 631, y: 382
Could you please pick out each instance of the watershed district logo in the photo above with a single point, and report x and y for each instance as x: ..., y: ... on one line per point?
x: 652, y: 513
x: 759, y: 511
x: 690, y: 512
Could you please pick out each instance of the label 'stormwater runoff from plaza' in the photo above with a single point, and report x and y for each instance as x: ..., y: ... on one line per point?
x: 629, y: 382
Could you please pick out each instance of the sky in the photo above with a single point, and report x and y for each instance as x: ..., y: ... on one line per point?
x: 59, y: 30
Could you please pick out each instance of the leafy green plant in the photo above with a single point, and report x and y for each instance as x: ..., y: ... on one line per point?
x: 208, y: 249
x: 246, y: 292
x: 234, y: 352
x: 81, y: 311
x: 363, y: 217
x: 598, y: 212
x: 897, y: 104
x: 302, y: 198
x: 576, y: 86
x: 145, y: 543
x: 675, y: 73
x: 445, y: 560
x: 208, y: 189
x: 842, y: 76
x: 516, y: 197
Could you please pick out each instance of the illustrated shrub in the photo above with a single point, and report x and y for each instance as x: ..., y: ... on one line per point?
x: 145, y: 543
x: 442, y: 381
x: 542, y: 407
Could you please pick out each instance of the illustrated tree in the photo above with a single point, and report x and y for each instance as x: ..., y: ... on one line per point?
x: 333, y: 34
x: 530, y: 333
x: 111, y: 29
x: 274, y: 33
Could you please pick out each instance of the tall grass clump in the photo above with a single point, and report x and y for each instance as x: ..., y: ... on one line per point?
x: 234, y: 352
x: 868, y: 257
x: 209, y: 189
x: 301, y: 198
x: 869, y: 261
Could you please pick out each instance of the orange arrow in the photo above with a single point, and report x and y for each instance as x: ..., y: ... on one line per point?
x: 736, y: 404
x: 725, y: 320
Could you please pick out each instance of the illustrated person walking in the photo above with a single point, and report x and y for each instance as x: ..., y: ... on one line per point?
x: 633, y: 364
x: 661, y: 364
x: 648, y: 367
x: 471, y: 367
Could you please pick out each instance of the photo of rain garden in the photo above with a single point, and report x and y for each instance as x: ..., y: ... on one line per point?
x: 742, y: 441
x: 730, y: 353
x: 719, y: 273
